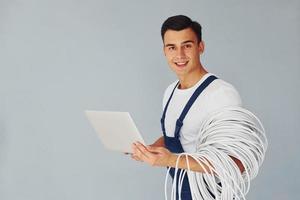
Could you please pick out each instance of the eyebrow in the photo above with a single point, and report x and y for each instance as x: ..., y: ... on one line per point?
x: 187, y: 41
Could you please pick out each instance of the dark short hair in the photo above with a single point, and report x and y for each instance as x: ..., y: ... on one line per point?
x: 180, y: 22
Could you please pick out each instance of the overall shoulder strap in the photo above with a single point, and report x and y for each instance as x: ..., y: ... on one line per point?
x: 162, y: 120
x: 189, y: 104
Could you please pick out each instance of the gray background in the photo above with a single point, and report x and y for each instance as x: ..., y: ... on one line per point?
x: 58, y: 58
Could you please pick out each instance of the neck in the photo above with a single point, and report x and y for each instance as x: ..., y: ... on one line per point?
x: 192, y: 78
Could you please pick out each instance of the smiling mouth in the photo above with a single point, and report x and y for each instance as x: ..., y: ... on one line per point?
x: 181, y: 64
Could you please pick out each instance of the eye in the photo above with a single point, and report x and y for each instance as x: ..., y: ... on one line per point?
x: 188, y: 46
x: 171, y: 48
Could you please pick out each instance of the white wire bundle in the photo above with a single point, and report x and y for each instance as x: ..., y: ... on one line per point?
x: 231, y: 131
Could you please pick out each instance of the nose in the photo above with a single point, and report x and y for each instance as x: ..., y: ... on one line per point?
x: 180, y: 53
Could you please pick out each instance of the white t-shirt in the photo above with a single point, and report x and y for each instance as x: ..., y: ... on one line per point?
x: 216, y: 95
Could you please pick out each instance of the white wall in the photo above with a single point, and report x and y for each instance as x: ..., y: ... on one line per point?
x: 58, y: 58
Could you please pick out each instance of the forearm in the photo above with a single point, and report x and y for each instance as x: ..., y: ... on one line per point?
x: 160, y: 142
x: 202, y: 167
x: 160, y: 156
x: 193, y: 164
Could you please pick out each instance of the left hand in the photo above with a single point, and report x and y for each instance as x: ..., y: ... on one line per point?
x: 155, y: 156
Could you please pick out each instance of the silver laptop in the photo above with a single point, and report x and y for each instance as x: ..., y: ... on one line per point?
x: 116, y: 130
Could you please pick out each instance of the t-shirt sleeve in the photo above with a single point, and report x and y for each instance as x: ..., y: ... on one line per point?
x: 224, y: 96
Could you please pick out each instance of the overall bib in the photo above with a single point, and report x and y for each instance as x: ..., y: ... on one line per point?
x: 173, y: 144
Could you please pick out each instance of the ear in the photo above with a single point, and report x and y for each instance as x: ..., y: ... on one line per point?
x: 201, y: 46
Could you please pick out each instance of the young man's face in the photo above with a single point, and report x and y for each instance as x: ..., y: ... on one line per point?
x: 182, y: 51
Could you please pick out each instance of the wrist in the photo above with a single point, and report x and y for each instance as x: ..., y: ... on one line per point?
x: 172, y: 160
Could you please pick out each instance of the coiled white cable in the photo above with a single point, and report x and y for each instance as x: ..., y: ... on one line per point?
x: 231, y: 131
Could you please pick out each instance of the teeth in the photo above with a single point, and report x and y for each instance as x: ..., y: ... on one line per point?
x: 182, y: 63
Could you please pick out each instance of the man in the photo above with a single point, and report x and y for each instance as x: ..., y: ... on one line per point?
x: 186, y: 102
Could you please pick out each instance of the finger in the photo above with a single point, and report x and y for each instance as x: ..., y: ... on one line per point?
x: 139, y: 144
x: 155, y: 149
x: 137, y: 158
x: 141, y: 151
x: 133, y: 148
x: 134, y: 157
x: 142, y: 148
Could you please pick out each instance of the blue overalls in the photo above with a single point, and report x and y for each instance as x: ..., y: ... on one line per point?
x: 173, y: 143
